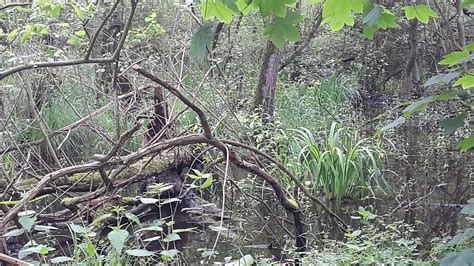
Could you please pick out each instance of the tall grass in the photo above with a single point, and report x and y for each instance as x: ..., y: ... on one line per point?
x: 340, y: 164
x: 309, y: 105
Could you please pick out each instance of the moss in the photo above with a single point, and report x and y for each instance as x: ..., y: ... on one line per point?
x: 67, y: 201
x: 144, y: 166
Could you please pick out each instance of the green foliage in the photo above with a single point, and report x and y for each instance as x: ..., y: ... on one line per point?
x: 374, y: 242
x: 201, y: 42
x: 420, y: 12
x: 342, y: 165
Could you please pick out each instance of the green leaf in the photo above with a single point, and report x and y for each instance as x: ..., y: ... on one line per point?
x: 207, y: 183
x: 417, y: 106
x: 80, y: 33
x: 397, y: 122
x: 372, y: 18
x: 171, y: 237
x: 10, y: 202
x: 465, y: 257
x: 132, y: 217
x: 12, y: 35
x: 451, y: 124
x: 461, y: 237
x: 441, y: 78
x: 216, y: 8
x: 55, y: 10
x: 78, y: 12
x: 468, y: 209
x: 149, y: 200
x: 168, y: 254
x: 200, y: 42
x: 275, y: 7
x: 27, y: 222
x: 45, y: 227
x: 341, y: 12
x: 420, y: 12
x: 61, y: 259
x: 466, y: 144
x: 284, y: 29
x: 74, y: 40
x: 25, y: 36
x: 466, y: 82
x: 139, y: 253
x: 454, y: 58
x: 117, y: 238
x: 15, y: 232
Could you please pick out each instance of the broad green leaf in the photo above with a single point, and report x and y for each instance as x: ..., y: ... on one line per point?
x: 27, y: 222
x: 275, y: 7
x: 466, y: 82
x: 284, y: 29
x: 169, y: 254
x: 468, y: 209
x: 117, y: 238
x: 461, y: 237
x: 466, y: 144
x: 454, y: 58
x: 451, y: 124
x: 171, y: 237
x: 441, y: 78
x: 216, y: 8
x: 341, y: 12
x: 465, y: 257
x: 372, y: 18
x: 420, y: 12
x: 387, y: 20
x: 200, y: 42
x: 61, y: 259
x: 139, y: 253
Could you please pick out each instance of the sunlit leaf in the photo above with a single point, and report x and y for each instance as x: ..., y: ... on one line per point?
x: 466, y: 82
x: 466, y: 144
x: 117, y: 238
x: 139, y: 253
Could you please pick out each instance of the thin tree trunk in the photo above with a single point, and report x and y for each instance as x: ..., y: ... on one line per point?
x: 460, y: 24
x: 264, y: 96
x: 410, y: 79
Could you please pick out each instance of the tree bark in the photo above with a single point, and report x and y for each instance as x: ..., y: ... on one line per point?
x: 264, y: 96
x: 410, y: 69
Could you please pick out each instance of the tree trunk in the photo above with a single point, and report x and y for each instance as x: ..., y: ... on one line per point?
x: 410, y: 69
x: 264, y: 96
x: 460, y: 24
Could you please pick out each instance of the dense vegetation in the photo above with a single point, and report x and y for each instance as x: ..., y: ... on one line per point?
x: 236, y: 131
